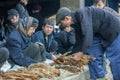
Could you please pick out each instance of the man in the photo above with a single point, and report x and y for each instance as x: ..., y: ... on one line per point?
x: 89, y: 21
x: 21, y: 8
x: 22, y: 51
x: 65, y: 39
x: 99, y: 63
x: 46, y: 38
x: 102, y: 5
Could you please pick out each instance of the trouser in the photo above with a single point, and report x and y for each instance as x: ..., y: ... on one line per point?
x: 97, y: 67
x: 4, y: 55
x: 35, y: 52
x: 113, y: 54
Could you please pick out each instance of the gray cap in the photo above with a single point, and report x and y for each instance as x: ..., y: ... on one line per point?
x: 12, y: 13
x: 62, y: 12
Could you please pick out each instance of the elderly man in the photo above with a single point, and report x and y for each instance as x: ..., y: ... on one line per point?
x: 88, y: 22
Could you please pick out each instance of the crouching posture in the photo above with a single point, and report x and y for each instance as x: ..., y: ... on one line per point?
x: 22, y: 51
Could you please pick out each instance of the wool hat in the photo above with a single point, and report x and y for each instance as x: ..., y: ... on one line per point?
x: 62, y: 12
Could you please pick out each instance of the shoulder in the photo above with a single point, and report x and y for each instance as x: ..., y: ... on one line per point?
x: 38, y: 33
x: 14, y: 35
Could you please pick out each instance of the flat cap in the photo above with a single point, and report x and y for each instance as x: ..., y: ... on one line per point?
x: 62, y: 12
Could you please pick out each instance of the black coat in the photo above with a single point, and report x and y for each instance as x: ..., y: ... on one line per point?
x: 90, y: 21
x: 65, y: 40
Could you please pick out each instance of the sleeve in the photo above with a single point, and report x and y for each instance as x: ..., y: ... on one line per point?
x: 85, y: 20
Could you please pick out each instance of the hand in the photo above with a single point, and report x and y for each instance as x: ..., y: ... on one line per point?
x: 54, y: 57
x: 39, y: 43
x: 77, y: 56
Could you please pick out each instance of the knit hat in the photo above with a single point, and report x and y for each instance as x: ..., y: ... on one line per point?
x: 62, y: 12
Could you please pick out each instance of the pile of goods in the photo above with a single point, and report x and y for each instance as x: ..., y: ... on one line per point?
x: 33, y: 72
x: 67, y: 63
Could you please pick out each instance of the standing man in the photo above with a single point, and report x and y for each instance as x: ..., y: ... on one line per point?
x: 89, y: 21
x: 21, y: 8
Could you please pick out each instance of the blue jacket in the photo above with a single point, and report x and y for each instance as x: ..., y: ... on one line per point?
x: 16, y: 44
x: 50, y: 45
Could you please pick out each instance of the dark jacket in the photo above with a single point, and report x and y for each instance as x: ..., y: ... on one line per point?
x: 16, y: 44
x: 22, y: 10
x: 50, y: 45
x: 65, y: 40
x: 2, y: 35
x: 91, y: 21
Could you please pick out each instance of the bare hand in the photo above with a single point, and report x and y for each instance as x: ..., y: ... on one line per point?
x: 77, y: 56
x: 54, y: 57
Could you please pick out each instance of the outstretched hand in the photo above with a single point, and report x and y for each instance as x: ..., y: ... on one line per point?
x: 77, y: 56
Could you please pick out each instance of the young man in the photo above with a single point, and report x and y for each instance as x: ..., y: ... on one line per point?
x: 46, y: 38
x: 88, y: 22
x: 22, y: 51
x: 21, y: 8
x: 102, y: 5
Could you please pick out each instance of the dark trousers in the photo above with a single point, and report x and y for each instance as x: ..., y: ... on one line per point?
x: 35, y: 52
x: 97, y: 67
x: 113, y: 54
x: 4, y: 55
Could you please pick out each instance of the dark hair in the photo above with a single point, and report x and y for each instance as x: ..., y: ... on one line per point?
x: 96, y: 1
x: 49, y: 22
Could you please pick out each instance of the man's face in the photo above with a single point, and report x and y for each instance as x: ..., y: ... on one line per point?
x: 30, y: 31
x: 24, y: 1
x: 67, y: 21
x: 100, y: 5
x: 48, y: 29
x: 14, y: 19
